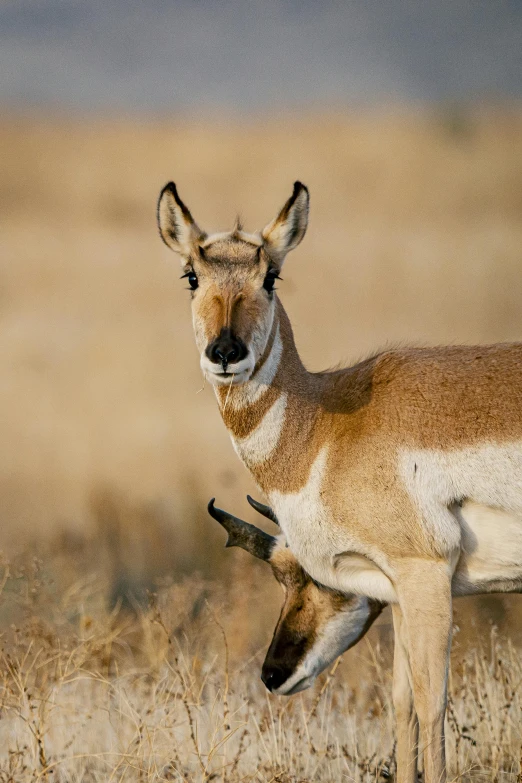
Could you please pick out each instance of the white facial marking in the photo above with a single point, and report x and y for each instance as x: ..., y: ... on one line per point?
x: 489, y: 474
x: 341, y: 631
x: 235, y: 374
x: 239, y: 373
x: 259, y: 445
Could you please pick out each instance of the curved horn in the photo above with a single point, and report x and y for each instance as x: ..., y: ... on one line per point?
x: 242, y: 534
x: 266, y: 511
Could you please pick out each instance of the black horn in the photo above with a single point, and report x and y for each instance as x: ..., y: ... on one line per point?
x: 266, y: 511
x: 242, y: 534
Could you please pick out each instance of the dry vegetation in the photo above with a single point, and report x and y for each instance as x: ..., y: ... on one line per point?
x: 170, y: 692
x: 119, y: 663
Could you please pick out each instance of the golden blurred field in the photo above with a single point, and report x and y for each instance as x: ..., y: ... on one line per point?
x: 415, y: 235
x: 110, y: 448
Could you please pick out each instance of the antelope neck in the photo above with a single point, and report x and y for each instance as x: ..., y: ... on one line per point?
x: 255, y: 412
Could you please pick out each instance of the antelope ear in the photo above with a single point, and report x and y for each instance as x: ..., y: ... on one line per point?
x: 286, y: 231
x: 176, y: 225
x: 242, y: 534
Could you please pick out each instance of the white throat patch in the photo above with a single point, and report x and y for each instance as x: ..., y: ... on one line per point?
x: 261, y: 442
x: 259, y: 445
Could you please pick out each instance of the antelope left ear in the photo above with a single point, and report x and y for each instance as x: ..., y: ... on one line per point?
x: 177, y: 227
x: 289, y: 227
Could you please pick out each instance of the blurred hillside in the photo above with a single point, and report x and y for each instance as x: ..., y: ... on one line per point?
x: 415, y: 236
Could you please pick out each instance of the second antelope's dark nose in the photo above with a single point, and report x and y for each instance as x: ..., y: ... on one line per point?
x: 274, y: 676
x: 226, y: 349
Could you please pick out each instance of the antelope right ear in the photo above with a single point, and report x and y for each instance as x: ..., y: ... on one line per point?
x: 177, y: 227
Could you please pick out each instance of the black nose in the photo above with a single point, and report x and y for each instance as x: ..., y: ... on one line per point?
x: 274, y: 676
x: 226, y: 349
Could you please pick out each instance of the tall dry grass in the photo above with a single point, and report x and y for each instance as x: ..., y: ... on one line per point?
x: 170, y: 692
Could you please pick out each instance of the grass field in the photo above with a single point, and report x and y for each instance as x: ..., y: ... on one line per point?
x: 172, y: 693
x: 127, y: 655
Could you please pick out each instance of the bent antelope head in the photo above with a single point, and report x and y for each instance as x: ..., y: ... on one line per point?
x: 231, y: 277
x: 316, y: 624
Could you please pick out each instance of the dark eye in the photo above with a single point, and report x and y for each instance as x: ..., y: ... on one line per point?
x: 192, y: 279
x: 271, y: 276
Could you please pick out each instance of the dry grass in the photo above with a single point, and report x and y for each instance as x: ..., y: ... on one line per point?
x: 168, y: 694
x: 119, y: 663
x: 171, y: 692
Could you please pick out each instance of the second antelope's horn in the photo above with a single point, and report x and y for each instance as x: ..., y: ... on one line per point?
x: 242, y: 534
x: 266, y: 511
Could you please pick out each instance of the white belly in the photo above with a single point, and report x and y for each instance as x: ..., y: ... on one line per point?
x: 491, y: 546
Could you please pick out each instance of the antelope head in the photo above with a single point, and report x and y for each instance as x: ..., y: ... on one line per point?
x: 231, y: 278
x: 316, y: 624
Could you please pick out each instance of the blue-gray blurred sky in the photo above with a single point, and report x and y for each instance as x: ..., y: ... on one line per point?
x: 162, y: 55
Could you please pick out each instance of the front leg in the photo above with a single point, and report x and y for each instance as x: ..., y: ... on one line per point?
x: 406, y: 723
x: 424, y: 591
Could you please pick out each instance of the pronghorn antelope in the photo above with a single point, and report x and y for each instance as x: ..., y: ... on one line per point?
x: 318, y: 624
x: 365, y: 467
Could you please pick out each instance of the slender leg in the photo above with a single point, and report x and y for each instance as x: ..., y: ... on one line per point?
x: 424, y: 591
x: 407, y: 726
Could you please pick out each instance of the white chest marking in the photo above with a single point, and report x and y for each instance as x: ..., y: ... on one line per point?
x: 259, y: 445
x: 325, y: 549
x: 303, y: 516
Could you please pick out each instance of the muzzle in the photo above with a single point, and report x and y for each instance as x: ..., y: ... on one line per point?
x: 226, y: 349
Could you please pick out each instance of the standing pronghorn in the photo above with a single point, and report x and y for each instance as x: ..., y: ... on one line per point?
x: 365, y: 466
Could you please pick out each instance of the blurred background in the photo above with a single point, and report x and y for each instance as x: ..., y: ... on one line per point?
x: 405, y: 121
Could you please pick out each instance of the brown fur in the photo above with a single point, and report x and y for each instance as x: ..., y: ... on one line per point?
x: 308, y: 606
x: 229, y: 271
x: 438, y: 398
